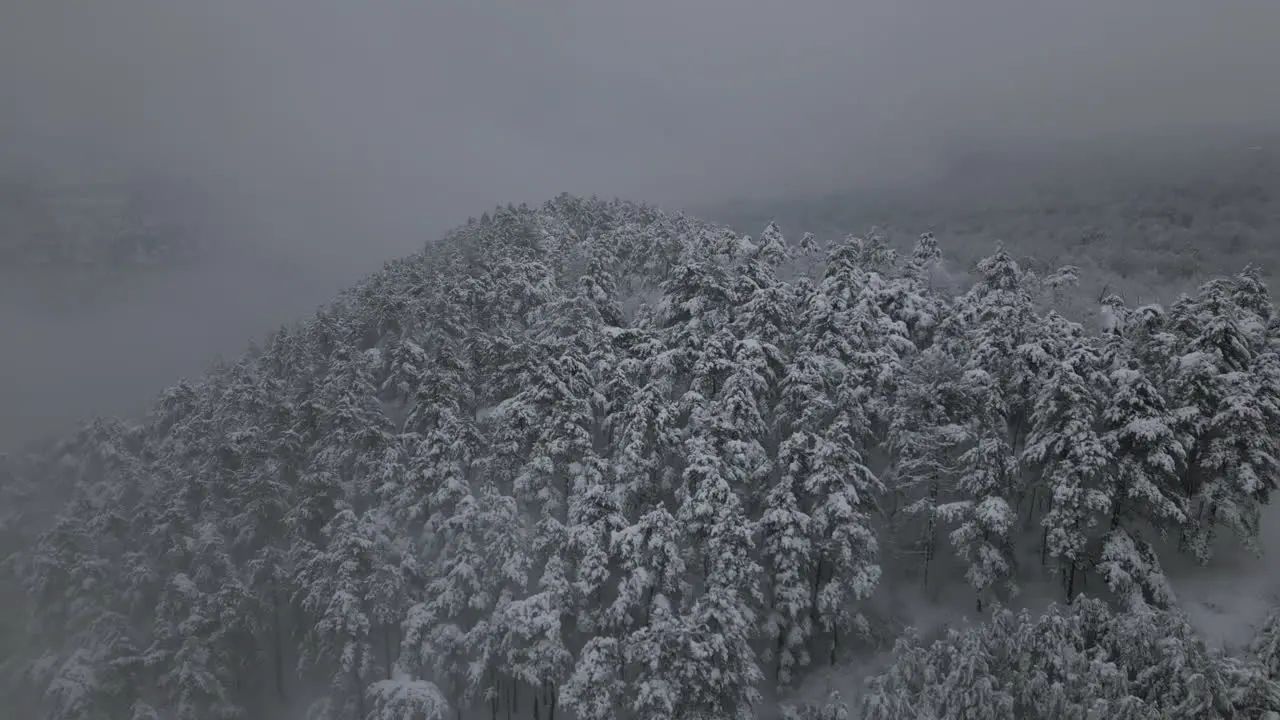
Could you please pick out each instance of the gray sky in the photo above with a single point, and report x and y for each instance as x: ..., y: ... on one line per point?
x: 342, y: 132
x: 446, y: 105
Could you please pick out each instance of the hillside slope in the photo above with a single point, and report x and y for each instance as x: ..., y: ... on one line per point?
x: 591, y: 460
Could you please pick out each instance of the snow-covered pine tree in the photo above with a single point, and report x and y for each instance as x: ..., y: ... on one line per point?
x: 1229, y: 411
x: 720, y: 622
x: 925, y: 437
x: 1065, y: 445
x: 984, y: 517
x: 773, y: 247
x: 809, y: 245
x: 1132, y: 570
x: 823, y: 413
x: 789, y: 561
x: 990, y: 327
x: 787, y: 552
x: 1141, y: 434
x: 334, y: 590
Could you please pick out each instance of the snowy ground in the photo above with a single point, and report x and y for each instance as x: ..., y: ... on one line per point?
x: 1227, y: 602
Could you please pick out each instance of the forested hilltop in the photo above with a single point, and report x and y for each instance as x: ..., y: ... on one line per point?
x: 594, y: 461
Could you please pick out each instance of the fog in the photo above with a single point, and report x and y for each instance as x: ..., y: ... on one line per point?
x: 336, y: 135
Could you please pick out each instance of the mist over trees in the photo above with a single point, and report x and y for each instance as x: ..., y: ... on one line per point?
x: 1147, y: 218
x: 593, y: 460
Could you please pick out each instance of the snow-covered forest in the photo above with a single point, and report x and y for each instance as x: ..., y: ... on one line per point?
x: 591, y: 460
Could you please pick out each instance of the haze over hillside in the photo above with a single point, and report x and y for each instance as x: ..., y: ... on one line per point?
x: 1150, y: 224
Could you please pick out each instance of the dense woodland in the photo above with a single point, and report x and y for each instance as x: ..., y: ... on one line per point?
x: 594, y: 461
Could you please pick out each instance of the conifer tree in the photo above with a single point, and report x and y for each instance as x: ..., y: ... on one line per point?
x: 1065, y: 444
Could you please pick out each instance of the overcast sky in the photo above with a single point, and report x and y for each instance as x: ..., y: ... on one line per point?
x: 473, y: 102
x: 343, y: 132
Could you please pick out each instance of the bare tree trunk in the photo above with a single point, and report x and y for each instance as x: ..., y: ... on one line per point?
x: 1044, y: 547
x: 277, y: 644
x: 928, y: 562
x: 1031, y: 509
x: 386, y: 649
x: 777, y: 666
x: 814, y: 613
x: 494, y: 697
x: 931, y: 532
x: 359, y: 688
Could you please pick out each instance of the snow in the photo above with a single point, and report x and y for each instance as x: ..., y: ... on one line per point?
x: 403, y: 698
x: 1194, y: 360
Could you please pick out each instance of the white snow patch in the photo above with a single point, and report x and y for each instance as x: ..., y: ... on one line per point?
x: 1229, y: 600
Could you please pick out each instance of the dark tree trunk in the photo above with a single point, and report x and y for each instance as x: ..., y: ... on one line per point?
x: 835, y: 643
x: 359, y: 689
x: 386, y: 649
x: 1044, y: 547
x: 1031, y: 509
x: 777, y: 658
x: 277, y: 645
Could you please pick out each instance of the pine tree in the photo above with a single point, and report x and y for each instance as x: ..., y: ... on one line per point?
x: 984, y: 518
x: 594, y: 691
x: 1266, y: 646
x: 826, y: 427
x: 333, y: 591
x: 534, y: 630
x: 1142, y: 436
x: 809, y: 245
x: 789, y: 560
x: 1131, y: 569
x: 772, y: 246
x: 1229, y: 412
x: 1065, y: 444
x: 926, y: 436
x: 721, y: 619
